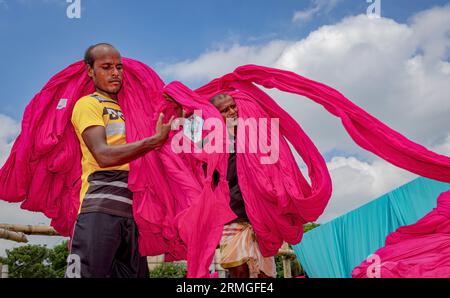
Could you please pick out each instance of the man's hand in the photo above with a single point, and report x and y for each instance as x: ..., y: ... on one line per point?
x: 178, y: 108
x: 162, y: 130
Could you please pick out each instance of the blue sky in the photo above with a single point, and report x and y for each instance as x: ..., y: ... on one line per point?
x: 37, y: 38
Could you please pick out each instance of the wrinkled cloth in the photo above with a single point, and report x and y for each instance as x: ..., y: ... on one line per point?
x: 174, y: 209
x: 238, y: 246
x: 420, y: 250
x: 177, y: 210
x: 281, y: 187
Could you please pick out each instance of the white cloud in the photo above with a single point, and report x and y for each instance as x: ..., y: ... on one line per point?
x: 399, y: 73
x: 432, y: 31
x: 318, y: 7
x: 356, y: 183
x: 9, y: 130
x: 223, y: 60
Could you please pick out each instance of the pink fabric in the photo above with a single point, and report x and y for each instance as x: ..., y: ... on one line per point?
x: 177, y: 210
x: 43, y: 170
x: 214, y: 275
x: 368, y: 132
x: 418, y: 250
x: 292, y: 200
x: 188, y: 224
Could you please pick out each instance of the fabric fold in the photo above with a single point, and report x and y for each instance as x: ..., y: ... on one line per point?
x: 178, y: 211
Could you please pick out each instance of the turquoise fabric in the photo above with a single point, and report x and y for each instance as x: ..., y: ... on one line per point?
x: 335, y: 248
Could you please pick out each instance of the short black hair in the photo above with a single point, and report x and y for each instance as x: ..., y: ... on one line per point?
x: 89, y: 58
x: 217, y: 97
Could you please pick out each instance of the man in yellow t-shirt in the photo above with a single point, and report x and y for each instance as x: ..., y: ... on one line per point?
x: 105, y: 237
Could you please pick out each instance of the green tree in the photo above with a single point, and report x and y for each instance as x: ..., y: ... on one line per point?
x: 58, y: 258
x: 309, y: 226
x: 169, y: 270
x: 29, y: 261
x: 37, y: 261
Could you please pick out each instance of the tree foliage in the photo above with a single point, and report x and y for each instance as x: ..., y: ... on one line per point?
x: 309, y: 226
x: 37, y: 261
x: 169, y: 270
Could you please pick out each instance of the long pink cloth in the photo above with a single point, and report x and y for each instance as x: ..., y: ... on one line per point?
x: 177, y: 210
x: 418, y: 250
x: 281, y: 187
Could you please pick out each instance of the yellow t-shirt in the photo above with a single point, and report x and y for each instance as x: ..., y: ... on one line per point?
x: 107, y: 187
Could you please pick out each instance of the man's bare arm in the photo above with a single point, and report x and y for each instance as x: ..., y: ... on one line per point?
x: 113, y: 155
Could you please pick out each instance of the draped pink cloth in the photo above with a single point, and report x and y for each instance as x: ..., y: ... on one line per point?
x: 418, y: 250
x: 178, y: 211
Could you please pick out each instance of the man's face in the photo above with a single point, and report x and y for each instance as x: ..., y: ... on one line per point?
x: 227, y: 107
x: 172, y: 107
x: 107, y: 69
